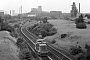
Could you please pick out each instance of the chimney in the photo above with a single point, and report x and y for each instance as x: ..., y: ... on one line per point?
x: 79, y: 7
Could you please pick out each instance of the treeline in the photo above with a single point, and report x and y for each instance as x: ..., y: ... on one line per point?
x: 4, y: 26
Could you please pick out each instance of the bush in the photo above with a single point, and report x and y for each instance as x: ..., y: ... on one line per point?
x: 88, y: 22
x: 19, y: 40
x: 85, y: 55
x: 40, y: 31
x: 79, y: 20
x: 22, y: 45
x: 16, y: 25
x: 14, y: 34
x: 75, y: 50
x: 53, y: 41
x: 7, y: 27
x: 35, y: 25
x: 81, y: 26
x: 81, y: 54
x: 46, y: 26
x: 52, y: 31
x: 63, y: 35
x: 25, y: 52
x: 44, y: 29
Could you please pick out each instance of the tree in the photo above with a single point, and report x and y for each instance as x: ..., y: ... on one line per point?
x: 1, y: 20
x: 6, y: 17
x: 81, y: 26
x: 79, y: 20
x: 53, y: 41
x: 45, y: 20
x: 16, y: 25
x: 75, y: 50
x: 88, y: 16
x: 52, y: 31
x: 47, y: 26
x: 19, y: 40
x: 40, y: 31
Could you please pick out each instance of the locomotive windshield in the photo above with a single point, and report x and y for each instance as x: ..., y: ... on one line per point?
x: 43, y: 48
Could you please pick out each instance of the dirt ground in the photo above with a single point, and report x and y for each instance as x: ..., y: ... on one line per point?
x: 75, y: 37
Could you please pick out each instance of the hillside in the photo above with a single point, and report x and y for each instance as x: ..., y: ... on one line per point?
x: 8, y: 49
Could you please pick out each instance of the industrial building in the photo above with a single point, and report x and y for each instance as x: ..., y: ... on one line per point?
x: 1, y: 12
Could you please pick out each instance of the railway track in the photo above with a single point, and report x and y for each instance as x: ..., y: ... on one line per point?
x: 49, y: 57
x: 61, y: 55
x: 31, y: 46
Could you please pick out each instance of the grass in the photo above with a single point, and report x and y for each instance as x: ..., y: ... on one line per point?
x: 74, y: 36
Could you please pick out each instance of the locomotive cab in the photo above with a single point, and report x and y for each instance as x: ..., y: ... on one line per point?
x: 41, y: 48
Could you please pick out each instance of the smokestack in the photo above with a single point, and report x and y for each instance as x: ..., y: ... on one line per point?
x: 79, y: 7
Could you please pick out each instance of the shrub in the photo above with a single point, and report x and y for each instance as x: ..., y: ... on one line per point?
x: 80, y: 57
x: 52, y: 31
x: 88, y: 22
x: 47, y: 26
x: 16, y: 25
x: 81, y: 54
x: 25, y: 54
x: 41, y: 31
x: 19, y: 40
x: 81, y: 26
x: 75, y: 50
x: 10, y: 28
x: 53, y: 41
x: 35, y: 25
x: 22, y: 45
x: 45, y: 20
x: 14, y: 34
x: 7, y: 27
x: 79, y: 20
x: 63, y: 35
x: 44, y: 29
x: 88, y: 16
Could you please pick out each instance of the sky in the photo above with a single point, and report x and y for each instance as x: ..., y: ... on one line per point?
x: 47, y: 5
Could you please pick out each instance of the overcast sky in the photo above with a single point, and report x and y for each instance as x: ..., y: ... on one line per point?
x: 47, y: 5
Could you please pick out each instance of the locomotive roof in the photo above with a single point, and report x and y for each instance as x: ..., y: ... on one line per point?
x: 42, y: 44
x: 40, y: 39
